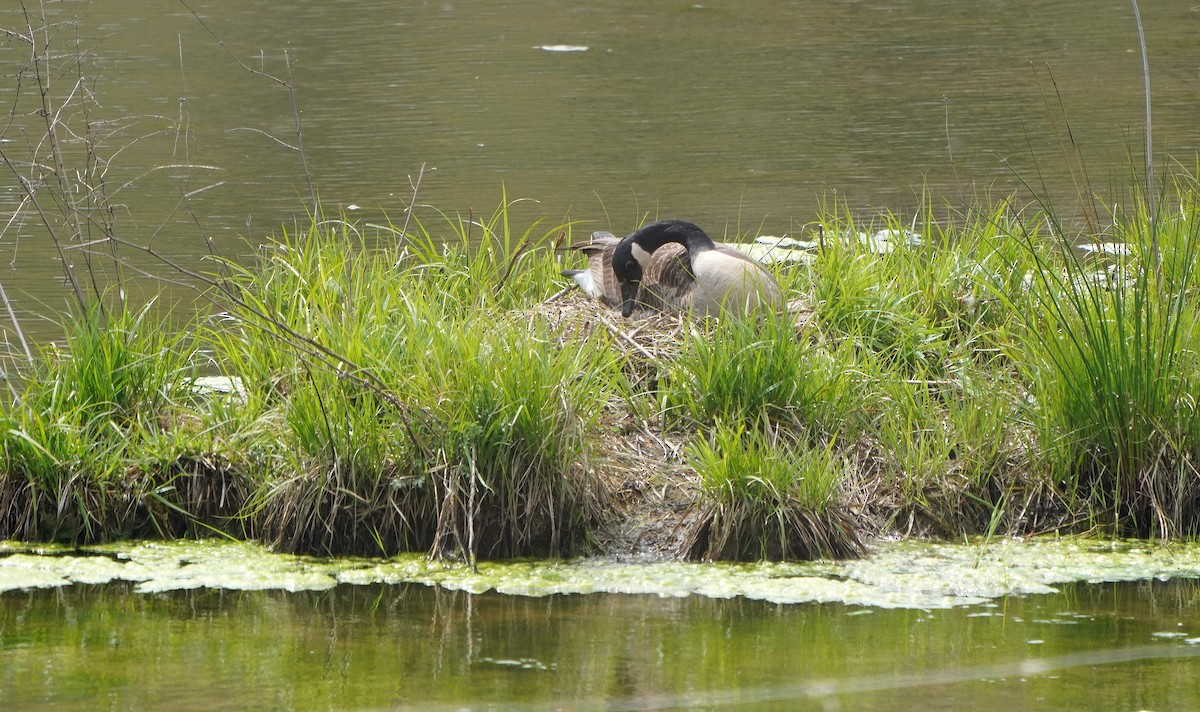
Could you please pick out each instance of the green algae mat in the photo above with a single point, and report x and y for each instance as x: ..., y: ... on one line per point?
x: 894, y: 575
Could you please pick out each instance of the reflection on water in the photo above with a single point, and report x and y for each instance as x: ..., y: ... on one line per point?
x: 1116, y: 646
x: 742, y: 116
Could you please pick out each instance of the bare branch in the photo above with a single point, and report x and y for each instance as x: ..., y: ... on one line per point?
x: 221, y: 44
x: 169, y: 166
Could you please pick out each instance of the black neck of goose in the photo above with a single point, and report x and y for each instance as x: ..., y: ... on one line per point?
x: 655, y: 235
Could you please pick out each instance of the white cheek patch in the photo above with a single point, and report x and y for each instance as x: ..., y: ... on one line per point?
x: 641, y: 256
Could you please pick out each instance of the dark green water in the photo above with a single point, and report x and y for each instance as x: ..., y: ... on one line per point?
x: 1122, y: 646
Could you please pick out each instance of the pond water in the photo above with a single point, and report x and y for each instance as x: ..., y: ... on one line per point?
x: 745, y: 117
x: 150, y: 626
x: 1104, y: 646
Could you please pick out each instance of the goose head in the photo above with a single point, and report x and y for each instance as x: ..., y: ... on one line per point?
x: 628, y: 269
x: 632, y: 255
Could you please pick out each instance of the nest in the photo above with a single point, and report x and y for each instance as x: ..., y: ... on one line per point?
x: 656, y: 509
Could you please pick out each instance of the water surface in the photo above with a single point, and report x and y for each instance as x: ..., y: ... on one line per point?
x: 1048, y: 624
x: 1104, y: 646
x: 745, y: 117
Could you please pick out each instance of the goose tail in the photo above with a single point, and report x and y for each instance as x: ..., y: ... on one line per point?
x: 586, y: 282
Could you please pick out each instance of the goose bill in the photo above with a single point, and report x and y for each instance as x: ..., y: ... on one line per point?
x: 629, y: 292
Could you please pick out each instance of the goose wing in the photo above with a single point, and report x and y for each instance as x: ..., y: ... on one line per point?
x: 722, y: 277
x: 670, y: 284
x: 598, y: 280
x: 667, y: 283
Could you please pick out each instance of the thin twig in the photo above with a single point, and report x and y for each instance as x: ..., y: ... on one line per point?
x: 615, y: 331
x: 281, y: 142
x: 413, y: 202
x: 234, y: 57
x: 299, y: 124
x: 288, y: 84
x: 40, y: 64
x: 408, y: 212
x: 12, y: 316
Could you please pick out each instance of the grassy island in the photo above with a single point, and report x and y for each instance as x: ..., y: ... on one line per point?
x: 371, y: 390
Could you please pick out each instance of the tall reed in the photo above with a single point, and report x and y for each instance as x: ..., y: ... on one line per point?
x: 1111, y: 353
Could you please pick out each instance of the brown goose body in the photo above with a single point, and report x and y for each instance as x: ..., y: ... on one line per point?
x: 676, y: 276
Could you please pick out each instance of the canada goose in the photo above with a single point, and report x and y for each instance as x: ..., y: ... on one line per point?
x: 673, y: 265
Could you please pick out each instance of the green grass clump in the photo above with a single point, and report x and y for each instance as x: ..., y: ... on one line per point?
x: 748, y: 370
x: 953, y: 450
x: 859, y: 300
x: 485, y: 262
x: 60, y: 481
x: 348, y: 479
x: 1111, y: 355
x: 514, y: 421
x: 765, y: 498
x: 119, y: 366
x: 410, y: 411
x: 89, y: 416
x: 920, y: 302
